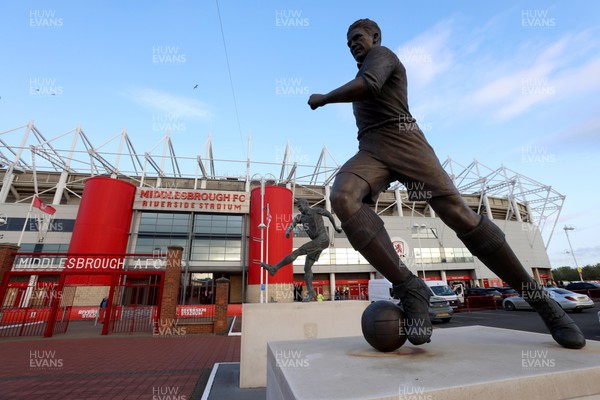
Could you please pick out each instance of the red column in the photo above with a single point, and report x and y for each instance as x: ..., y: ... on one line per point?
x: 278, y: 200
x: 103, y: 221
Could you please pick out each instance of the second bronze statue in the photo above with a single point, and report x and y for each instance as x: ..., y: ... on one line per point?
x: 312, y: 221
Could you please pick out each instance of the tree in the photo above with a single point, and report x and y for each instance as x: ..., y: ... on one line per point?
x: 565, y: 274
x: 591, y: 272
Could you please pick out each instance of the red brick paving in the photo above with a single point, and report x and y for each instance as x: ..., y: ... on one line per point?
x: 132, y: 367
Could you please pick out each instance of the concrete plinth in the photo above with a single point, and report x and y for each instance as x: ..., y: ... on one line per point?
x: 460, y: 363
x: 263, y: 323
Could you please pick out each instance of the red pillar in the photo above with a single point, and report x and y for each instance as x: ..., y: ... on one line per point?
x: 278, y: 200
x: 103, y: 222
x: 274, y: 209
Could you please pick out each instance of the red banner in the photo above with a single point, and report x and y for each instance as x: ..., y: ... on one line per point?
x: 37, y: 203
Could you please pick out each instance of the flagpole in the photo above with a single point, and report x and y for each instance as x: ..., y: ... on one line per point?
x: 267, y: 255
x: 26, y: 220
x: 39, y: 219
x: 35, y: 185
x: 35, y: 194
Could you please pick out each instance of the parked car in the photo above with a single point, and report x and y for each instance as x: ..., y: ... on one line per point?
x: 568, y: 300
x: 484, y: 292
x: 505, y: 292
x: 582, y: 286
x: 439, y: 307
x: 441, y: 288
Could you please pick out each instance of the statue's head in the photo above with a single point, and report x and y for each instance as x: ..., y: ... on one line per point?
x: 302, y: 205
x: 362, y: 36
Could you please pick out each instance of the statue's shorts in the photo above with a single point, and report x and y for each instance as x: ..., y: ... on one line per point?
x: 314, y: 248
x: 399, y: 152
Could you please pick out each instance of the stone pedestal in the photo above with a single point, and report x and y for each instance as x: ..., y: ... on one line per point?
x: 263, y: 323
x: 460, y: 363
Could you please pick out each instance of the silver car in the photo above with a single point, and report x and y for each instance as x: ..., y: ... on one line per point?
x: 569, y: 301
x: 440, y: 308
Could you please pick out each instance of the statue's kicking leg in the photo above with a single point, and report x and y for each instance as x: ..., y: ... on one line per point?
x: 290, y: 258
x: 486, y: 241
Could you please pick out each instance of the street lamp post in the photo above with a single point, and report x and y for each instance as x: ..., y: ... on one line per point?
x: 262, y: 228
x: 568, y: 228
x: 418, y: 228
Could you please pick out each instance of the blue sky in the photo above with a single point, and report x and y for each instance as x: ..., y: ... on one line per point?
x: 511, y: 83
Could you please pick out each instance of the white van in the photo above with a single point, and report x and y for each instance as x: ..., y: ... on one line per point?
x: 380, y: 289
x: 439, y: 307
x: 441, y: 288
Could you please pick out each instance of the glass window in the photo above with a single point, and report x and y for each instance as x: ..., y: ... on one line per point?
x: 151, y: 222
x: 217, y: 225
x: 427, y: 255
x: 158, y: 244
x: 449, y: 254
x: 215, y: 237
x: 216, y: 250
x: 424, y: 233
x: 462, y: 255
x: 337, y: 256
x: 43, y: 248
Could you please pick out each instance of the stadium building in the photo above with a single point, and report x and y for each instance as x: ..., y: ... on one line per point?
x: 69, y: 195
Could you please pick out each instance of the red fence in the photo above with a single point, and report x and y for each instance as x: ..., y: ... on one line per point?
x: 480, y: 303
x: 129, y: 319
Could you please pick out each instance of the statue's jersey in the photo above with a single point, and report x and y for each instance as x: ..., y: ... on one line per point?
x: 313, y: 224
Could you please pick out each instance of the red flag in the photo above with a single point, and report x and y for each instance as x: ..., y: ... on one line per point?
x: 37, y: 203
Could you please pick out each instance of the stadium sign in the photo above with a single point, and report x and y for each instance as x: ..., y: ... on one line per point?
x: 91, y: 263
x: 192, y: 200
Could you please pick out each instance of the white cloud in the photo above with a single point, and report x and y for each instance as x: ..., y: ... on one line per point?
x: 427, y: 55
x: 556, y: 74
x: 168, y: 103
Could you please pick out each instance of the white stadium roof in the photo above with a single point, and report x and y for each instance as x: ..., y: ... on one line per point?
x: 26, y: 149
